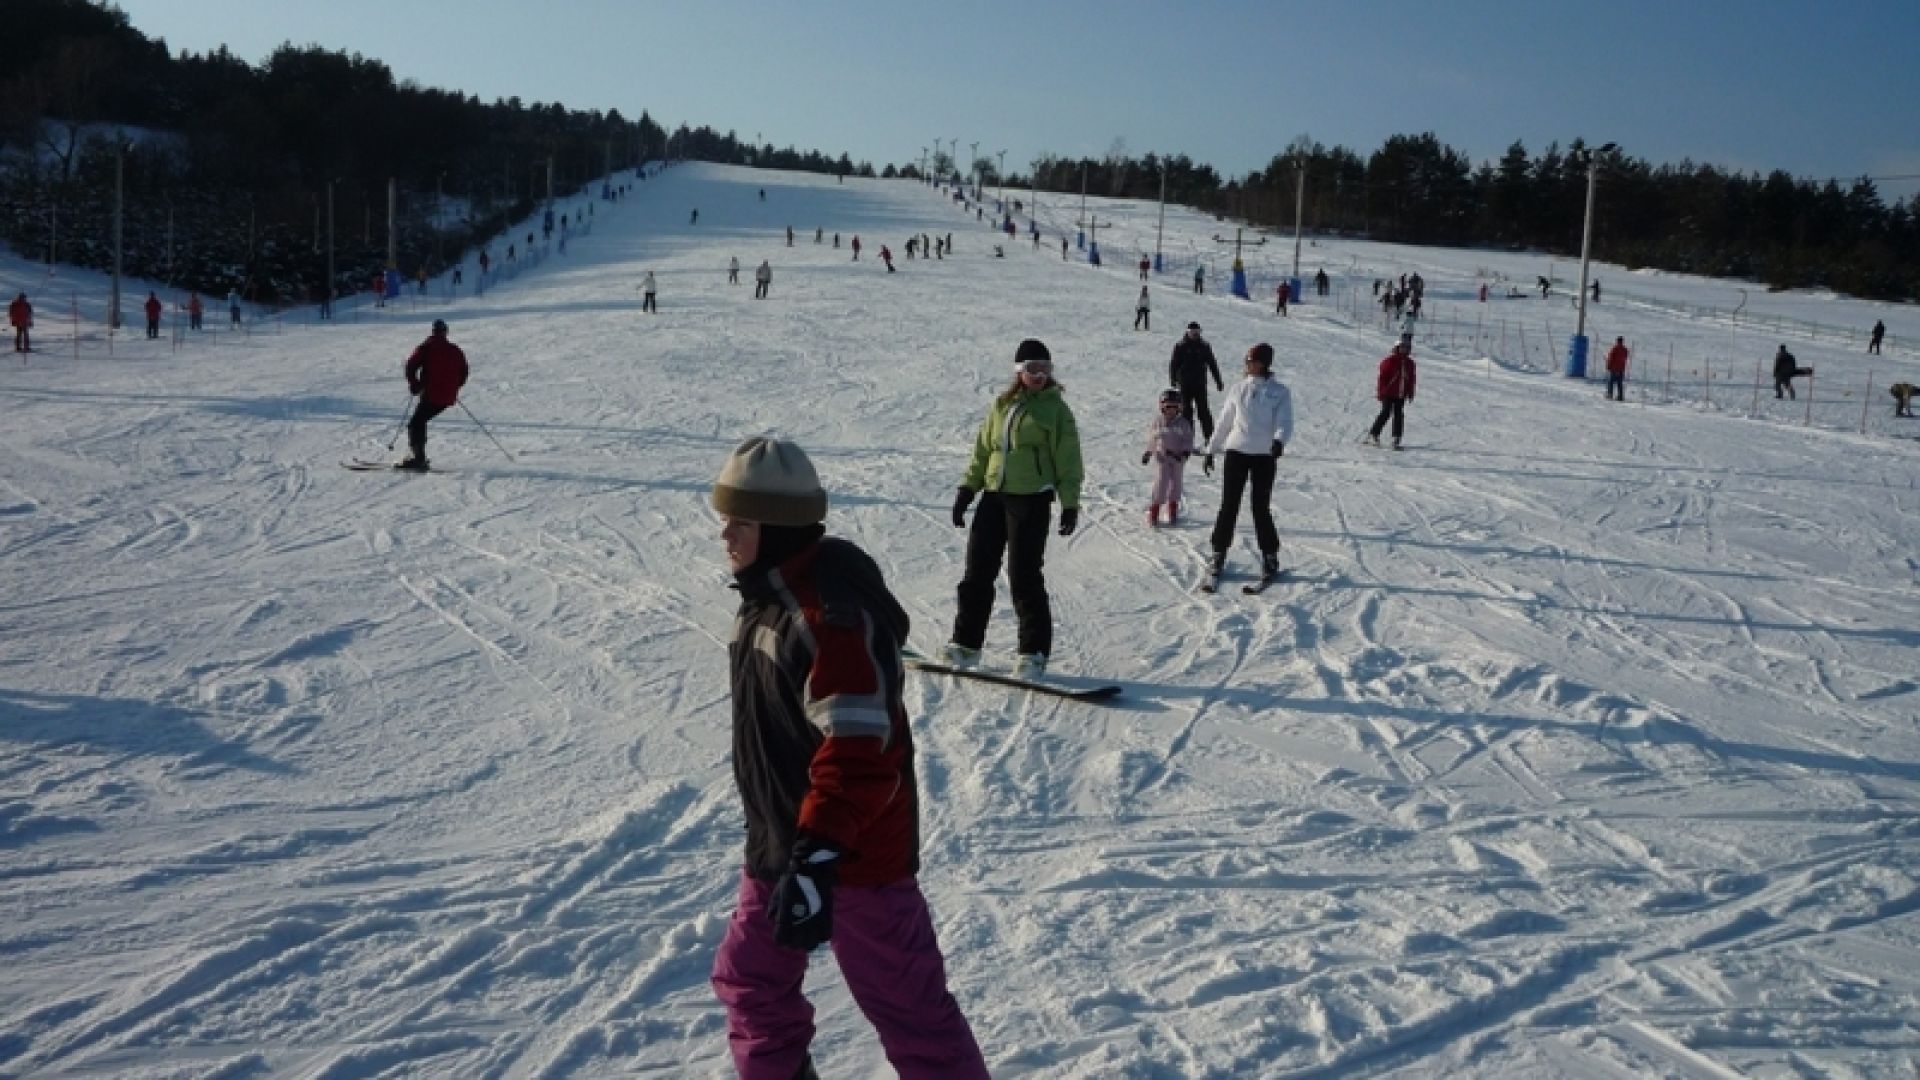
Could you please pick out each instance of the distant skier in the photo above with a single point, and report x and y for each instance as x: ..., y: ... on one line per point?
x: 1394, y: 389
x: 1169, y: 445
x: 886, y: 257
x: 1063, y: 247
x: 233, y: 307
x: 154, y: 308
x: 911, y: 242
x: 817, y: 233
x: 856, y: 249
x: 1256, y: 421
x: 1879, y: 334
x: 20, y: 317
x: 1143, y: 311
x: 435, y: 373
x: 789, y: 236
x: 836, y: 241
x: 1187, y: 372
x: 1595, y: 290
x: 1026, y: 456
x: 824, y: 764
x: 1323, y: 283
x: 763, y: 194
x: 733, y: 270
x: 196, y: 310
x: 762, y: 280
x: 695, y: 218
x: 1617, y: 370
x: 1145, y: 266
x: 1281, y: 294
x: 1200, y: 280
x: 647, y: 288
x: 1546, y: 287
x: 1785, y: 370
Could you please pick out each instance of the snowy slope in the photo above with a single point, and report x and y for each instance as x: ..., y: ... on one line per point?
x: 1582, y: 745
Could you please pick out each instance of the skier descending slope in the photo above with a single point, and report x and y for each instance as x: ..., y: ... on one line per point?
x: 823, y: 757
x: 435, y: 373
x: 1026, y: 455
x: 1255, y: 423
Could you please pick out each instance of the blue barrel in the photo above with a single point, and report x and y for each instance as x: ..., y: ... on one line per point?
x: 1239, y: 286
x: 1577, y: 356
x: 1293, y: 291
x: 393, y: 284
x: 1156, y: 263
x: 1080, y: 239
x: 1093, y: 253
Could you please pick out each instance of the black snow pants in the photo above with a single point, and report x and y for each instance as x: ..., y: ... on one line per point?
x: 1193, y: 399
x: 1016, y: 527
x: 1391, y: 408
x: 417, y: 427
x: 1240, y: 468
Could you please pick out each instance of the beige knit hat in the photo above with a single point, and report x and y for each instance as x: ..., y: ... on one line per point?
x: 772, y: 482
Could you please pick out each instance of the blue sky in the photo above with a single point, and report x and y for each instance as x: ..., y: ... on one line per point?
x: 1819, y: 89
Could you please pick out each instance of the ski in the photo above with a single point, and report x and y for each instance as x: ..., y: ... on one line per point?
x: 358, y: 465
x: 1088, y: 693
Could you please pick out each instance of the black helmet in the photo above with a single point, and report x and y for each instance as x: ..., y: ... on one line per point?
x: 439, y: 326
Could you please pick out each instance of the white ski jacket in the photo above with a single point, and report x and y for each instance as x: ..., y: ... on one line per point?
x: 1257, y: 412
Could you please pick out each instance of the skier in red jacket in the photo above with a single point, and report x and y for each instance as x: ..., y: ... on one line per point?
x: 154, y: 309
x: 1394, y: 389
x: 20, y: 317
x: 435, y: 373
x: 1617, y: 370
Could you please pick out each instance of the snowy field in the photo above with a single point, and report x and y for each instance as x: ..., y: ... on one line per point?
x: 1581, y: 743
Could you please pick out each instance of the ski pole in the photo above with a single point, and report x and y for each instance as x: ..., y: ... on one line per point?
x: 483, y: 429
x: 404, y: 413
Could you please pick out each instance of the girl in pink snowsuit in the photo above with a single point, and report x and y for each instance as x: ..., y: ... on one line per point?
x: 1169, y: 445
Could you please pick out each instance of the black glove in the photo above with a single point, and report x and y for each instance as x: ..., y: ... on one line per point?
x: 961, y: 500
x: 1219, y: 387
x: 801, y: 906
x: 1146, y: 457
x: 1279, y: 448
x: 1069, y: 520
x: 1207, y: 465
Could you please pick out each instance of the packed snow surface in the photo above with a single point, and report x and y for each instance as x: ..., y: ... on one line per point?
x: 1580, y: 742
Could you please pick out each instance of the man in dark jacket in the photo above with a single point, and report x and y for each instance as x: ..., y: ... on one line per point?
x: 823, y: 758
x: 435, y: 373
x: 1189, y: 369
x: 1785, y: 367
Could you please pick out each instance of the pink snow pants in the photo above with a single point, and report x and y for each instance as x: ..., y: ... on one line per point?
x: 883, y: 939
x: 1169, y: 474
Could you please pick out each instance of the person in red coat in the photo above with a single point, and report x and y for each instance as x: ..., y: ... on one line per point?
x: 1394, y: 389
x: 20, y: 316
x: 856, y: 249
x: 153, y: 308
x: 435, y: 373
x: 1282, y: 294
x: 1617, y: 370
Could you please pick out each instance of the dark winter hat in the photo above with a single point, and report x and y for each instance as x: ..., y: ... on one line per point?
x: 1171, y: 396
x: 772, y: 482
x: 1032, y: 349
x: 1193, y: 326
x: 439, y: 326
x: 1262, y: 354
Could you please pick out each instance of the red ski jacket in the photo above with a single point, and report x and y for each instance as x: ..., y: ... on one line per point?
x: 1617, y: 360
x: 1396, y: 378
x: 20, y: 313
x: 436, y: 371
x: 153, y: 309
x: 821, y: 742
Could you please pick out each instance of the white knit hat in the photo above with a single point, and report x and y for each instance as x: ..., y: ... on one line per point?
x: 772, y: 482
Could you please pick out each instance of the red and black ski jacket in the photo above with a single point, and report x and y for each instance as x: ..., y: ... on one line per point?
x: 821, y: 742
x: 436, y: 371
x: 1396, y: 378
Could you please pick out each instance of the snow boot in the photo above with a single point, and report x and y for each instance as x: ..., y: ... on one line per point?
x: 1031, y: 665
x: 957, y: 655
x: 1173, y: 513
x: 1269, y: 564
x: 1373, y: 439
x: 413, y: 463
x: 1153, y: 516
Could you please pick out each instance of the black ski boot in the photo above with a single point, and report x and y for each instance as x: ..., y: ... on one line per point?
x: 413, y: 463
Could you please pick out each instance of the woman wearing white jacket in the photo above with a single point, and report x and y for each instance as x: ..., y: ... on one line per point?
x: 1255, y: 423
